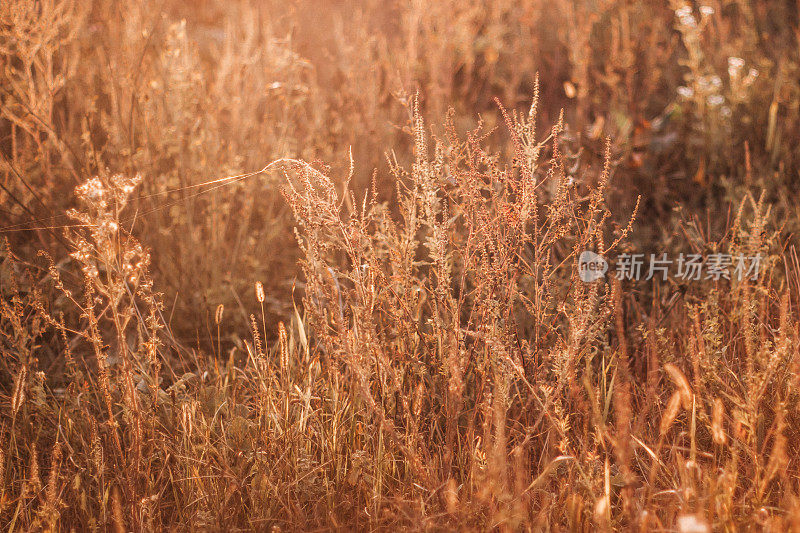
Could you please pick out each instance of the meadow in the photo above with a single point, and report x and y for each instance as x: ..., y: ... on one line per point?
x: 321, y: 265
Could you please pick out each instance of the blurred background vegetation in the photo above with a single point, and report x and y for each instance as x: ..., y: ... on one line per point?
x: 700, y: 101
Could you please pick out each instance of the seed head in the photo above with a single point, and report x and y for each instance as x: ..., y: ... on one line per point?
x: 671, y: 413
x: 260, y: 292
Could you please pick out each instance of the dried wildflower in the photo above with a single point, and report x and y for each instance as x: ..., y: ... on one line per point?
x: 686, y: 17
x: 735, y: 66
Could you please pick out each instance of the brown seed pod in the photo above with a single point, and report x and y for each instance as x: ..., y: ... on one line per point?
x: 717, y: 422
x: 682, y: 384
x: 671, y: 413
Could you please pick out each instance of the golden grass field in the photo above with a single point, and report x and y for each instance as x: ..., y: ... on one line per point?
x: 318, y: 265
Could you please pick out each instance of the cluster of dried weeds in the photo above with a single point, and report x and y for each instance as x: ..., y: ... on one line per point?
x: 434, y: 362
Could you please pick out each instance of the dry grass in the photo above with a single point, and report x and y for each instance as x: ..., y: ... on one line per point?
x: 399, y: 339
